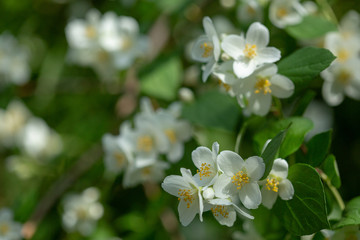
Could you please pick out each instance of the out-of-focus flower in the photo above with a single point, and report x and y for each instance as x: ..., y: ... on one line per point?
x: 188, y: 192
x: 240, y: 178
x: 186, y: 94
x: 82, y: 211
x: 250, y: 52
x: 249, y: 232
x: 9, y: 229
x: 347, y: 232
x: 260, y: 86
x: 283, y: 13
x: 206, y: 49
x: 250, y: 11
x: 277, y: 184
x: 14, y: 61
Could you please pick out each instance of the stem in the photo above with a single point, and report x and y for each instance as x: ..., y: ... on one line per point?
x: 333, y: 189
x: 239, y: 136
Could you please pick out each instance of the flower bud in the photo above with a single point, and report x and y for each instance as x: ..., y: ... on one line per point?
x: 208, y: 193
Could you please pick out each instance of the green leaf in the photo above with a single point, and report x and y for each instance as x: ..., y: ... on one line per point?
x: 304, y: 65
x: 270, y: 151
x: 303, y: 103
x: 306, y: 212
x: 331, y: 170
x: 207, y: 136
x: 318, y: 148
x: 311, y: 27
x: 163, y: 81
x: 352, y: 214
x: 268, y: 224
x: 294, y: 135
x: 213, y: 109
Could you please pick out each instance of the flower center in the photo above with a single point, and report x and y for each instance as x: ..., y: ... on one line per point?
x: 344, y: 77
x: 272, y: 184
x: 205, y: 170
x: 145, y: 143
x: 81, y: 214
x: 240, y: 179
x: 146, y: 171
x: 4, y: 229
x: 281, y: 12
x: 171, y: 135
x: 220, y: 210
x: 103, y: 56
x: 251, y: 11
x: 120, y: 158
x: 343, y: 55
x: 90, y: 32
x: 263, y: 84
x: 126, y: 43
x: 250, y: 50
x: 208, y: 49
x: 185, y: 194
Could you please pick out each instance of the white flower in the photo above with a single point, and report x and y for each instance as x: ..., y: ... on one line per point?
x: 283, y: 13
x: 250, y: 52
x: 207, y: 48
x: 189, y: 195
x: 249, y: 11
x: 14, y: 61
x: 249, y: 233
x: 240, y: 178
x: 277, y: 184
x: 144, y: 170
x: 350, y: 24
x: 38, y: 140
x: 261, y: 86
x: 347, y: 232
x: 9, y: 229
x: 118, y: 154
x: 81, y: 211
x: 206, y: 162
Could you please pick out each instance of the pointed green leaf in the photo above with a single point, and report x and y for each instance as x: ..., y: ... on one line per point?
x: 331, y: 170
x: 318, y: 148
x: 305, y: 213
x: 352, y: 214
x: 304, y: 65
x: 303, y: 103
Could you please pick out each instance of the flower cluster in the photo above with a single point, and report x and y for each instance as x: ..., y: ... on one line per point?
x: 81, y: 211
x: 9, y: 229
x: 343, y: 75
x: 138, y: 151
x: 36, y: 140
x: 246, y: 68
x: 222, y: 181
x: 14, y: 61
x: 106, y: 43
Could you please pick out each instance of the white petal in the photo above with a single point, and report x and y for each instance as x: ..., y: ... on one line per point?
x: 230, y: 162
x: 202, y: 155
x: 268, y: 197
x: 201, y: 206
x: 176, y: 152
x: 243, y: 69
x: 223, y: 187
x: 215, y: 149
x: 229, y: 219
x: 332, y: 95
x: 250, y: 195
x: 260, y: 103
x: 257, y: 34
x: 173, y: 183
x: 281, y: 86
x: 197, y: 50
x: 186, y: 214
x: 268, y: 55
x: 255, y: 167
x: 186, y: 173
x: 220, y: 201
x: 268, y: 70
x: 242, y: 212
x: 208, y: 69
x: 286, y: 190
x: 233, y: 45
x: 280, y: 168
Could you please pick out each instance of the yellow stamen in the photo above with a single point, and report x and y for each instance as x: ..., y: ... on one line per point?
x: 207, y: 50
x: 343, y: 55
x: 185, y: 195
x: 126, y: 43
x: 120, y: 158
x: 4, y: 228
x: 281, y: 12
x: 344, y: 77
x: 90, y: 32
x: 240, y: 179
x: 250, y: 50
x: 81, y: 214
x: 145, y: 143
x: 272, y: 184
x: 205, y: 170
x: 171, y: 135
x: 263, y: 84
x: 220, y: 210
x: 224, y: 85
x: 146, y: 171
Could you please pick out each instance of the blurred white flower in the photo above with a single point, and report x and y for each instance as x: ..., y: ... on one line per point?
x: 14, y: 61
x: 188, y: 192
x: 206, y: 48
x: 38, y: 140
x: 249, y: 233
x: 347, y: 232
x: 277, y: 184
x: 240, y: 178
x: 283, y: 13
x: 12, y: 121
x: 9, y: 229
x: 249, y: 11
x: 250, y: 52
x: 82, y: 211
x: 260, y: 86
